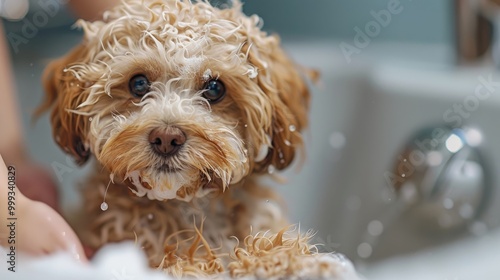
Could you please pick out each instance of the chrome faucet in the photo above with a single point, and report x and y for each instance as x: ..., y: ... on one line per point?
x: 445, y: 179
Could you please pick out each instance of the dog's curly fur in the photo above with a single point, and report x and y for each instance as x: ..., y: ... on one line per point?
x: 205, y: 212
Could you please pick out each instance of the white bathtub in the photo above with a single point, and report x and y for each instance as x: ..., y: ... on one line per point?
x: 363, y: 114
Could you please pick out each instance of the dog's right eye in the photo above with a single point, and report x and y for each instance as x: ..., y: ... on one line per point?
x: 139, y: 85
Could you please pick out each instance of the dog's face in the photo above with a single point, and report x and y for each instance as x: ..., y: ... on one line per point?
x: 177, y: 98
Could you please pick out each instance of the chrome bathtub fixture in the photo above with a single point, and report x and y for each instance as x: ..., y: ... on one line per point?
x: 442, y: 177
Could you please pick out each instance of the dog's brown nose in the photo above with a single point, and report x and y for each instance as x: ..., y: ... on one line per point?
x: 167, y: 141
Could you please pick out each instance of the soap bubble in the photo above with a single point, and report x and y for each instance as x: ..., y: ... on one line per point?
x: 364, y: 250
x: 375, y: 228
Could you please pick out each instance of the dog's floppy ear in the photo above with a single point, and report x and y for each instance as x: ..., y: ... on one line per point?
x: 63, y: 93
x: 288, y: 93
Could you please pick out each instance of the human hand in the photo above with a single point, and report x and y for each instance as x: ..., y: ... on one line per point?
x: 41, y: 230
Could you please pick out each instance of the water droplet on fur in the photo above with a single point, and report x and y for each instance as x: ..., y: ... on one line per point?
x: 246, y: 125
x: 271, y: 169
x: 282, y: 161
x: 292, y: 128
x: 71, y: 84
x: 150, y: 216
x: 403, y: 175
x: 288, y: 143
x: 104, y: 206
x: 90, y: 119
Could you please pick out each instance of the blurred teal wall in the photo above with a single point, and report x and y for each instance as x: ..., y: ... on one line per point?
x: 426, y: 21
x: 421, y: 21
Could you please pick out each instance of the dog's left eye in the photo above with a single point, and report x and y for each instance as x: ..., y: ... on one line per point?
x: 138, y: 85
x: 214, y: 91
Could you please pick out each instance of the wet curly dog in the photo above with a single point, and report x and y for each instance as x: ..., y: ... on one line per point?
x: 183, y: 106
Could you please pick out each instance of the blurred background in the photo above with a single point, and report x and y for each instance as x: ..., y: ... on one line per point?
x: 403, y: 145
